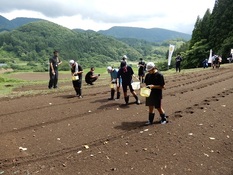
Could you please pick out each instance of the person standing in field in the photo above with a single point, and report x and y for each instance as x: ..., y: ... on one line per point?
x: 125, y: 73
x: 141, y: 70
x: 76, y: 72
x: 54, y: 62
x: 113, y: 73
x: 205, y: 63
x: 178, y: 61
x: 155, y: 81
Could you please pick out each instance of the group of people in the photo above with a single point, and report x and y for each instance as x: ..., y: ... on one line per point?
x: 120, y: 78
x: 216, y: 60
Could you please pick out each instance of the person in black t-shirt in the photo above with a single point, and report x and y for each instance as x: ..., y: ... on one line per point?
x: 178, y: 61
x: 90, y: 77
x: 155, y: 81
x: 125, y: 73
x: 141, y: 70
x: 54, y: 62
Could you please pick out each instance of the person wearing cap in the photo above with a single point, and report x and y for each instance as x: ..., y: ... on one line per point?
x: 76, y: 73
x: 54, y: 62
x: 90, y: 77
x: 155, y: 81
x: 126, y: 73
x: 141, y: 70
x: 113, y: 73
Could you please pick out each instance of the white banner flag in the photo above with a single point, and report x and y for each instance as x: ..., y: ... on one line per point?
x: 210, y: 57
x: 171, y: 49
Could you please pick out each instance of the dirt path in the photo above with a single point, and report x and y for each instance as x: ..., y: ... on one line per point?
x: 66, y: 135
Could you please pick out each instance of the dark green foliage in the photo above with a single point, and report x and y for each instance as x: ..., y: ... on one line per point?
x: 37, y: 41
x: 214, y: 31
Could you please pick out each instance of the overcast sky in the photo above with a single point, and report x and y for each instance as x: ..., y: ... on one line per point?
x: 177, y: 15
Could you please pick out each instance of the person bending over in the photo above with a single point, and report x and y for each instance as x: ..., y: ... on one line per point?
x: 90, y: 77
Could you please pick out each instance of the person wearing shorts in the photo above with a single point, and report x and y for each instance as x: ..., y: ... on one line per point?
x: 155, y: 81
x: 125, y: 73
x: 113, y: 73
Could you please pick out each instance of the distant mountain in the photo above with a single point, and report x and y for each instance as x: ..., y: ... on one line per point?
x: 6, y: 24
x: 151, y: 35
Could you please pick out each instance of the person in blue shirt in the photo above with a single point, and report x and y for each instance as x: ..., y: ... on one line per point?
x: 113, y: 73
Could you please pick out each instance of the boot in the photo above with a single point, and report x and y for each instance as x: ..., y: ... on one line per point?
x: 80, y: 93
x: 151, y: 119
x: 126, y: 99
x: 163, y: 119
x: 137, y: 100
x: 77, y: 91
x: 118, y: 95
x: 112, y: 94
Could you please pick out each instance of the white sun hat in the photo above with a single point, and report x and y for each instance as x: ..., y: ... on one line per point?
x: 149, y: 66
x: 109, y: 68
x: 71, y: 62
x: 124, y: 56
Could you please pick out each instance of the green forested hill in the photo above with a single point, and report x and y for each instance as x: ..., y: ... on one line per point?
x: 151, y: 35
x: 35, y: 42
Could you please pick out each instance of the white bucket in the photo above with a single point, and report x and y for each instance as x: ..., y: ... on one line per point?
x: 145, y: 92
x: 136, y: 85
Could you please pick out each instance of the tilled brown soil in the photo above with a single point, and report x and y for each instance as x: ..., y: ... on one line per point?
x: 57, y: 133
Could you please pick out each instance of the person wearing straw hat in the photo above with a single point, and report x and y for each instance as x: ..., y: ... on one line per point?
x: 126, y: 73
x: 155, y: 81
x: 76, y: 72
x: 113, y: 73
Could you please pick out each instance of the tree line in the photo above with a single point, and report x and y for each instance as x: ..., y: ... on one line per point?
x: 213, y: 31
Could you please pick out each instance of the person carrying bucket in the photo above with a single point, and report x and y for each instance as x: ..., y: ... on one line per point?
x: 155, y: 81
x: 125, y: 73
x: 113, y: 73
